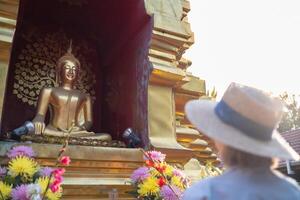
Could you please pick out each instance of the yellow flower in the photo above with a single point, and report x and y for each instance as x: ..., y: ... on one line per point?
x: 43, y: 182
x: 148, y: 187
x: 175, y: 180
x: 169, y: 170
x: 22, y: 166
x: 5, y: 190
x: 154, y: 172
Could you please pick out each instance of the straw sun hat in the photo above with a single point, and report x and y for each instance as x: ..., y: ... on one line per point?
x: 246, y: 119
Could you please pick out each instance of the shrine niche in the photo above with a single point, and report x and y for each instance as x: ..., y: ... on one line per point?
x: 112, y: 50
x: 35, y: 66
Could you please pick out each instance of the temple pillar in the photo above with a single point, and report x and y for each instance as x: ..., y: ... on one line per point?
x: 171, y: 36
x: 162, y: 124
x: 8, y: 18
x: 187, y: 134
x: 171, y: 85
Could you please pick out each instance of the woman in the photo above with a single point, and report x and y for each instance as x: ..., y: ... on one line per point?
x: 243, y: 126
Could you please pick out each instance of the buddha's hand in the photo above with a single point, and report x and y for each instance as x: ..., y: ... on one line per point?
x: 39, y: 127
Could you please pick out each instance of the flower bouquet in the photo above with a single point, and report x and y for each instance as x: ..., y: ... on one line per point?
x: 158, y: 180
x: 24, y: 179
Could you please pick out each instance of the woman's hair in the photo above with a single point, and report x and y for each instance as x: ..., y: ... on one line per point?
x: 235, y: 158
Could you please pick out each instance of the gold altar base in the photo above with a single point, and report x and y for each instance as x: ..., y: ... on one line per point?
x: 84, y: 141
x: 94, y: 171
x: 91, y: 192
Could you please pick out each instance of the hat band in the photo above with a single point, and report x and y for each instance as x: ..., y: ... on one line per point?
x: 247, y: 126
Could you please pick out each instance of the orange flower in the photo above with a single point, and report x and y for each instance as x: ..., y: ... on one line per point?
x: 149, y: 163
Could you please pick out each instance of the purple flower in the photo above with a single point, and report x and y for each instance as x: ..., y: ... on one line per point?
x: 19, y: 193
x: 20, y: 151
x: 140, y: 174
x: 168, y: 194
x: 155, y: 156
x: 3, y: 171
x: 46, y: 171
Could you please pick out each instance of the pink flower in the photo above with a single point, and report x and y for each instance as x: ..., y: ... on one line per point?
x: 168, y: 194
x: 20, y: 151
x: 58, y: 179
x: 155, y: 156
x: 140, y: 174
x: 59, y: 171
x: 65, y: 160
x: 54, y: 187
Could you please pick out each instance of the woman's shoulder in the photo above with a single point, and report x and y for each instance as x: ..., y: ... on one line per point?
x: 287, y: 181
x: 199, y: 190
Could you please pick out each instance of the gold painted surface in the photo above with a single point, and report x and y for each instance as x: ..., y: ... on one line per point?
x: 171, y: 39
x: 84, y: 192
x: 85, y: 141
x: 50, y: 151
x: 163, y: 55
x: 185, y: 134
x: 181, y: 99
x: 195, y: 86
x: 8, y: 16
x: 170, y: 82
x: 162, y: 124
x: 4, y: 51
x: 162, y: 62
x: 168, y: 16
x: 66, y: 101
x: 161, y: 112
x: 3, y: 75
x: 6, y: 34
x: 166, y: 75
x: 184, y: 63
x: 94, y: 171
x: 186, y: 8
x: 161, y: 44
x: 198, y: 144
x: 9, y: 8
x: 35, y: 67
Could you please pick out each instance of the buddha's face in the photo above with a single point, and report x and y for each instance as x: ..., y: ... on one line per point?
x: 69, y: 71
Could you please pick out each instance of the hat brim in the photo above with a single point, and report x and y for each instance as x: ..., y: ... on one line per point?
x: 201, y: 114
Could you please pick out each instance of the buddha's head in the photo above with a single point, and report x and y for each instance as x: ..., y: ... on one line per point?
x: 68, y: 67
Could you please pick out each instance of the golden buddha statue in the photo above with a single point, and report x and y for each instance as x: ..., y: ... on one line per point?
x: 70, y: 109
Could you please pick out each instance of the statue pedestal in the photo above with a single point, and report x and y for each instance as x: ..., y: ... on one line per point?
x: 94, y: 171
